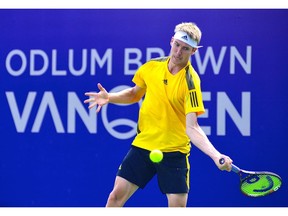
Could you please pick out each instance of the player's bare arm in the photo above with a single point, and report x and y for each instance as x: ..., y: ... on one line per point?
x: 201, y: 141
x: 99, y: 99
x: 127, y: 96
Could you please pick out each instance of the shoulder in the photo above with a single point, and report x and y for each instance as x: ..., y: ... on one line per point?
x: 159, y: 59
x: 154, y: 63
x: 192, y: 77
x: 191, y: 71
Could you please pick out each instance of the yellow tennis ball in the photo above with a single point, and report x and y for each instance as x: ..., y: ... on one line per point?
x: 156, y: 156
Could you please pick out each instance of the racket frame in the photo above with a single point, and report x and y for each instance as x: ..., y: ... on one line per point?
x: 249, y: 174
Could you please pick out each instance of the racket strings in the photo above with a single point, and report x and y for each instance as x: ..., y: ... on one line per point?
x: 260, y: 184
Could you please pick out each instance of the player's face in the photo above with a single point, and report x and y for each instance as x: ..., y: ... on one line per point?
x: 180, y: 52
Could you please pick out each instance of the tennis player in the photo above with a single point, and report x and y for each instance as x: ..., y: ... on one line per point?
x: 167, y: 121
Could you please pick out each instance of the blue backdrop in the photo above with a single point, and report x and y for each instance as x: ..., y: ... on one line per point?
x: 55, y: 152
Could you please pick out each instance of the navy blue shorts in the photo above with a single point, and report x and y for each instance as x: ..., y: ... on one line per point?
x: 172, y: 172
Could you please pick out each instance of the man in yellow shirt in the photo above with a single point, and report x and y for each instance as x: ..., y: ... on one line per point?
x: 167, y: 122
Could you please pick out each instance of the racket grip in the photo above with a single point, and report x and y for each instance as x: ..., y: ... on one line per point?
x: 221, y: 160
x: 234, y: 168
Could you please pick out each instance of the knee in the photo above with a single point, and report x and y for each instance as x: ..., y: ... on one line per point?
x: 114, y: 200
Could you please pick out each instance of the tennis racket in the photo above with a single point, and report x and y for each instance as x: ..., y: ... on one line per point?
x: 256, y: 184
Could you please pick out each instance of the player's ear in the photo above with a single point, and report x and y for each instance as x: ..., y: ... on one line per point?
x: 171, y: 41
x: 194, y: 50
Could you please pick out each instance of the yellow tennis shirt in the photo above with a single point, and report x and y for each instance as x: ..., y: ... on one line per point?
x: 168, y: 98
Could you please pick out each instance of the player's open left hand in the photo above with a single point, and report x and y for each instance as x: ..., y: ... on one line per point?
x: 97, y: 99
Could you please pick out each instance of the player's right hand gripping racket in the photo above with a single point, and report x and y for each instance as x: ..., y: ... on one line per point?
x: 256, y: 184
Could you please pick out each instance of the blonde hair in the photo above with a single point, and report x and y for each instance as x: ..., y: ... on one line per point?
x: 191, y: 29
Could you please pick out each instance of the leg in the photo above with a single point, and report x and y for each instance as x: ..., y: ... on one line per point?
x: 177, y: 200
x: 121, y: 192
x: 173, y: 178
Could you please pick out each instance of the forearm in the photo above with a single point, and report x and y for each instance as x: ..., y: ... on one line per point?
x: 201, y: 141
x: 125, y: 96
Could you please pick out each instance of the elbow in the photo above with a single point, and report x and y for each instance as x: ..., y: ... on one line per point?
x: 193, y: 130
x: 136, y: 94
x: 134, y: 99
x: 189, y: 130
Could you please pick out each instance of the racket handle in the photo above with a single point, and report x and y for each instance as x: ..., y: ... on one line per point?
x: 222, y: 161
x: 234, y: 168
